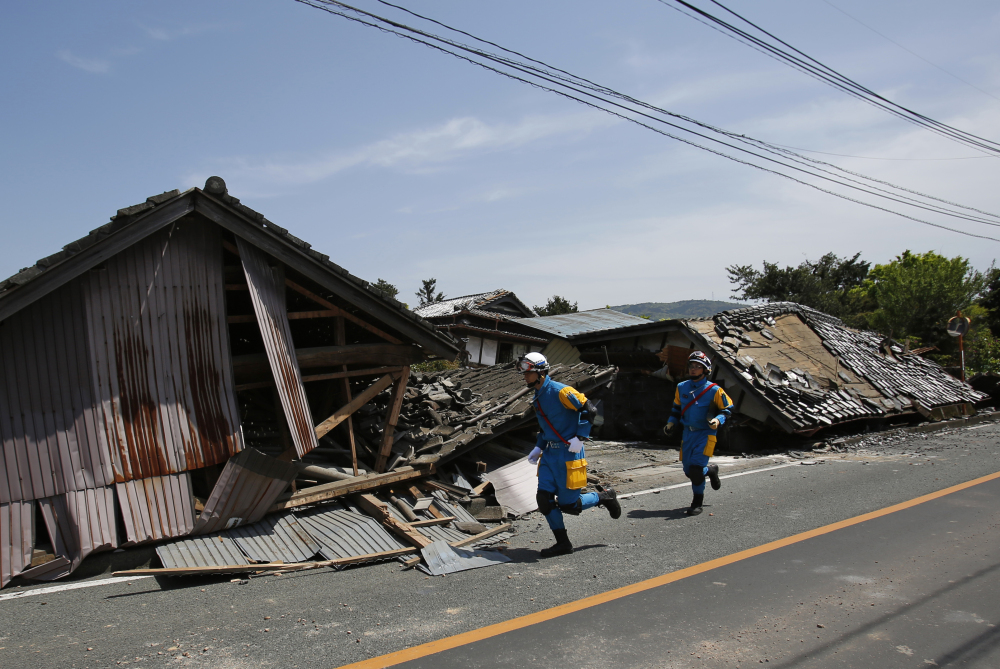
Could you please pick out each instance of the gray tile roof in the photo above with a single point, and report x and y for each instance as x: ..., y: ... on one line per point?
x: 470, y: 303
x: 580, y: 323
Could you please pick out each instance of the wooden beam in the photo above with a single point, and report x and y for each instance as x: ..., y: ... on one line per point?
x: 292, y: 315
x: 443, y: 520
x: 328, y: 491
x: 341, y: 414
x: 340, y: 339
x: 370, y: 371
x: 255, y: 367
x: 482, y: 535
x: 392, y: 417
x: 380, y: 512
x: 349, y: 316
x: 269, y: 566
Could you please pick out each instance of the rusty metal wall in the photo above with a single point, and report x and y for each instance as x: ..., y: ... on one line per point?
x: 267, y: 290
x: 160, y: 353
x: 248, y: 486
x: 79, y: 523
x: 17, y: 538
x: 52, y: 438
x: 159, y: 507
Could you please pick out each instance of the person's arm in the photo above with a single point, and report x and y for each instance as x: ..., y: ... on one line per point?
x: 675, y: 411
x: 723, y: 405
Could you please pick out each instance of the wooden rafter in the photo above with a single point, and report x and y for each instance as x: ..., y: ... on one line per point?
x: 380, y: 512
x: 340, y: 339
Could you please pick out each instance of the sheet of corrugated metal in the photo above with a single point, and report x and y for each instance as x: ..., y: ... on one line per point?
x: 440, y: 559
x: 246, y: 489
x: 51, y: 433
x: 79, y: 523
x: 582, y: 322
x: 342, y: 533
x: 159, y: 507
x: 160, y: 353
x: 267, y: 290
x: 275, y: 538
x: 460, y: 513
x: 207, y: 551
x: 515, y: 486
x: 433, y: 532
x: 17, y: 538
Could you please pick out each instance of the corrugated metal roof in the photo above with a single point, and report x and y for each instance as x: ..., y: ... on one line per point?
x: 17, y: 538
x: 79, y: 523
x: 159, y: 507
x: 267, y: 290
x: 343, y: 533
x: 515, y: 485
x: 206, y: 551
x: 442, y: 559
x: 246, y: 489
x: 276, y: 538
x: 568, y: 326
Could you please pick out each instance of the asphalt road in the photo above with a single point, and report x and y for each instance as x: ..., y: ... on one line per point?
x: 325, y: 619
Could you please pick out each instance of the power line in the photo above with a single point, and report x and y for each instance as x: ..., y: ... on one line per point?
x: 540, y: 75
x: 913, y: 53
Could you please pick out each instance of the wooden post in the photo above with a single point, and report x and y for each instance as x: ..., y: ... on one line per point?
x: 391, y: 418
x: 344, y: 412
x: 341, y: 340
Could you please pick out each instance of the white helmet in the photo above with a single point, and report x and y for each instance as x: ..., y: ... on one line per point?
x: 533, y: 362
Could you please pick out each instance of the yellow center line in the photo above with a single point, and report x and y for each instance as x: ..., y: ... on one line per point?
x: 472, y: 636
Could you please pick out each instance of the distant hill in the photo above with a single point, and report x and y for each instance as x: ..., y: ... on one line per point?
x: 683, y: 309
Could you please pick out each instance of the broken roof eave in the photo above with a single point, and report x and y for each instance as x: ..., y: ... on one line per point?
x: 196, y: 200
x: 628, y: 330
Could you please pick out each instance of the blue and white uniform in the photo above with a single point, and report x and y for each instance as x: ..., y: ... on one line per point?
x: 562, y: 405
x: 698, y: 441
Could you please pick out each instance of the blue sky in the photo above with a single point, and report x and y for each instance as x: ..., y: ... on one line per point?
x: 402, y: 163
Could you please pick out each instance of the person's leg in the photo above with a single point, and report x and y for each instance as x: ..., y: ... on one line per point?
x: 546, y: 496
x: 552, y: 487
x: 695, y: 468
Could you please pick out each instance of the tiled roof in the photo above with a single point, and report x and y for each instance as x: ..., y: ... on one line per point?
x: 817, y: 372
x: 579, y: 323
x: 215, y: 188
x: 471, y: 303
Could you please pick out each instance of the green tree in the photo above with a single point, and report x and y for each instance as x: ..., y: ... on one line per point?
x: 386, y: 288
x: 426, y: 294
x: 555, y: 306
x: 826, y: 285
x: 916, y: 294
x: 991, y: 301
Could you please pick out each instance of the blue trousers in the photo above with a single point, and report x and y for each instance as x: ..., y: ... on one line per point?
x: 694, y: 458
x: 552, y: 479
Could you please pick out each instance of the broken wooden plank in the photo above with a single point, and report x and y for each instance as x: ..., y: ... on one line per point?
x: 328, y: 491
x: 389, y: 429
x: 269, y: 566
x: 412, y: 562
x: 444, y: 520
x: 378, y: 510
x: 349, y: 373
x: 343, y: 412
x: 254, y: 367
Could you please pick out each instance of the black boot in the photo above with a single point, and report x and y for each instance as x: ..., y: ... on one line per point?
x: 609, y: 500
x: 695, y: 507
x: 561, y: 547
x: 713, y: 476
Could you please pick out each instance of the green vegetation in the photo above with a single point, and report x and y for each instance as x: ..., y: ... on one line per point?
x: 386, y: 288
x: 660, y: 311
x: 555, y: 306
x: 426, y: 293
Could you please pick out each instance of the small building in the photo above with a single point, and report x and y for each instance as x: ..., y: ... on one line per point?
x: 487, y: 325
x: 142, y: 362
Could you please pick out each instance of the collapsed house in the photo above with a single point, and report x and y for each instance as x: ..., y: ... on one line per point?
x: 176, y: 371
x: 789, y: 370
x: 486, y: 325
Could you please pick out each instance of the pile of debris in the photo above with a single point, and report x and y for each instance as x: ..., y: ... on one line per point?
x: 446, y: 480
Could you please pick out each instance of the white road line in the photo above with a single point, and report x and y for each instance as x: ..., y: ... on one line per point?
x: 70, y: 586
x: 727, y: 476
x: 979, y: 427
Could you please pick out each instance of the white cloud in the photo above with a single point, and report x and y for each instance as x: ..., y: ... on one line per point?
x: 92, y: 65
x: 416, y: 151
x: 162, y: 34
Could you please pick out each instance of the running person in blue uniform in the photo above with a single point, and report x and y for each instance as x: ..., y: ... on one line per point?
x: 700, y: 406
x: 562, y: 467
